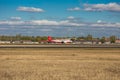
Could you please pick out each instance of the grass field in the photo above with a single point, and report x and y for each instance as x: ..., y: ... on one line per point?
x: 60, y: 64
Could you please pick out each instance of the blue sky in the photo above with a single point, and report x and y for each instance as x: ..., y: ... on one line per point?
x: 60, y: 17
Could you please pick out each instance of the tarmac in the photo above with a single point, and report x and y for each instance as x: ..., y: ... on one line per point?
x: 62, y: 46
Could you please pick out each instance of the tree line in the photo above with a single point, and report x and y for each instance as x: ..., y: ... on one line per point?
x: 19, y: 37
x: 103, y: 39
x: 23, y: 38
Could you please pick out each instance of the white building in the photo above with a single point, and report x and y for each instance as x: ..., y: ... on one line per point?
x: 4, y: 42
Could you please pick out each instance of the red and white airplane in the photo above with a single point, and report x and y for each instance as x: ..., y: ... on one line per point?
x: 50, y: 40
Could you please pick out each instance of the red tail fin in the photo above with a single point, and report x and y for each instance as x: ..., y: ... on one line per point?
x: 49, y: 38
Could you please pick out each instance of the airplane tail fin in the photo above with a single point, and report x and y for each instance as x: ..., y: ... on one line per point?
x: 49, y: 38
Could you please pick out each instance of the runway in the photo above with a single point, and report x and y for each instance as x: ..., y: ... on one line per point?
x: 61, y: 46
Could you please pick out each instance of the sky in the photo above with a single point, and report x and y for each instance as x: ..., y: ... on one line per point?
x: 61, y: 18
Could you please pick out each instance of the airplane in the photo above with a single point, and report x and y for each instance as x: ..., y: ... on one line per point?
x: 50, y: 40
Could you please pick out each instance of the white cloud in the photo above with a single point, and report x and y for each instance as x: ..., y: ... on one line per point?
x: 99, y: 23
x: 74, y: 9
x: 43, y: 22
x: 15, y: 18
x: 69, y: 23
x: 98, y: 7
x: 12, y: 23
x: 105, y: 24
x: 30, y: 9
x: 40, y: 22
x: 102, y: 7
x: 70, y: 17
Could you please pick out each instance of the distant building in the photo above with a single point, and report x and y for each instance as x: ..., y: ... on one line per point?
x: 87, y: 42
x: 99, y: 42
x: 107, y: 42
x: 4, y: 42
x: 30, y: 42
x: 16, y: 42
x: 117, y: 41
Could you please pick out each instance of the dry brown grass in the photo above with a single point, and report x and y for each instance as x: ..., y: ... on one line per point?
x: 60, y: 64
